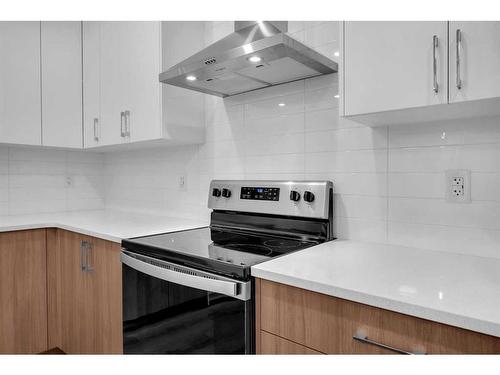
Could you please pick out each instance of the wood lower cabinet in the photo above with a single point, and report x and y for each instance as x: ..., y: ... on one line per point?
x: 84, y: 294
x: 23, y: 292
x: 327, y: 324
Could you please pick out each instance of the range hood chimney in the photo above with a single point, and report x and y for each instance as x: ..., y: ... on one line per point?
x: 256, y: 55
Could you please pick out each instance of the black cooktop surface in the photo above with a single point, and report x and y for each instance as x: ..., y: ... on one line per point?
x: 228, y: 252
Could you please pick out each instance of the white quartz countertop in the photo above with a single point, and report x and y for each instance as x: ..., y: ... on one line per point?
x: 459, y: 290
x: 106, y: 224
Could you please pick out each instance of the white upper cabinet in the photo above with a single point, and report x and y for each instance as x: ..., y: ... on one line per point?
x: 20, y: 107
x: 91, y: 36
x: 142, y: 67
x: 394, y: 73
x: 394, y: 65
x: 124, y: 102
x: 61, y: 66
x: 116, y: 55
x: 475, y: 69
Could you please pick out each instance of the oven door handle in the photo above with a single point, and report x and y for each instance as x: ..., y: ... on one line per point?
x: 187, y: 276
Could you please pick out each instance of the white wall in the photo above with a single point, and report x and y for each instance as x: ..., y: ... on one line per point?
x: 34, y: 180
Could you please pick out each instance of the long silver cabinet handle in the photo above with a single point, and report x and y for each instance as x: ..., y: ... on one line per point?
x: 88, y: 266
x: 435, y: 45
x: 127, y: 123
x: 96, y: 129
x: 459, y: 48
x: 364, y: 339
x: 122, y: 125
x: 82, y: 256
x: 186, y: 276
x: 85, y: 249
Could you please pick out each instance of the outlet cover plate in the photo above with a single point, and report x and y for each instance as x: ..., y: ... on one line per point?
x: 458, y: 186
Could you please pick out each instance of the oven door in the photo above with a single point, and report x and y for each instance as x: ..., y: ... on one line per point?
x: 170, y: 308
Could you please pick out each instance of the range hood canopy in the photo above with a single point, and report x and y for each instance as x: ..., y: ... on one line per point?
x: 254, y: 56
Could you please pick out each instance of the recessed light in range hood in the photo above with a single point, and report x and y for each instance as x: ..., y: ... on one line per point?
x: 255, y: 56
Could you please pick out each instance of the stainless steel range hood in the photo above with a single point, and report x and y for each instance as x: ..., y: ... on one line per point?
x: 256, y: 55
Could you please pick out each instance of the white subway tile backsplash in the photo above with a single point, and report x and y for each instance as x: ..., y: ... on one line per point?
x: 276, y: 144
x: 33, y: 180
x: 347, y: 139
x: 324, y: 98
x: 362, y: 161
x: 360, y: 207
x: 275, y: 106
x: 440, y: 212
x: 471, y: 241
x: 360, y: 229
x: 417, y: 185
x: 283, y: 124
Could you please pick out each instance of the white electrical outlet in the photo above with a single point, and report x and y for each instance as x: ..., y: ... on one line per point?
x: 69, y: 182
x: 182, y: 183
x: 458, y: 186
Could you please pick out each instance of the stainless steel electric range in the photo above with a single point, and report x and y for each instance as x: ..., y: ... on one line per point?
x: 191, y: 291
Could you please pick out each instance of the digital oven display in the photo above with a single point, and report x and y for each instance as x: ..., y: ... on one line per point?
x: 260, y: 193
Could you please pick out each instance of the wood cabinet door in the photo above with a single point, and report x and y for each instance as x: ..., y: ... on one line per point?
x: 329, y: 325
x: 474, y: 73
x: 84, y: 305
x: 104, y: 297
x: 61, y: 46
x: 23, y: 293
x: 389, y: 65
x: 20, y: 105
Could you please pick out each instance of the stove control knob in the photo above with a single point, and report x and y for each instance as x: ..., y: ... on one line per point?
x: 216, y: 192
x: 308, y: 196
x: 294, y: 196
x: 226, y: 193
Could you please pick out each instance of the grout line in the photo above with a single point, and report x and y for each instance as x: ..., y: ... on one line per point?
x: 445, y: 225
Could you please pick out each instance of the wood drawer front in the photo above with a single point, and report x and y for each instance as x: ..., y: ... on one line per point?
x: 327, y: 324
x: 271, y: 344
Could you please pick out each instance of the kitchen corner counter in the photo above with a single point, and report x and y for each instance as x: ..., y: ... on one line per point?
x: 454, y: 289
x: 109, y: 225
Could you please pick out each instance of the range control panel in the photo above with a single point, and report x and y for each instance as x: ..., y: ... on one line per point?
x: 291, y: 198
x: 260, y: 193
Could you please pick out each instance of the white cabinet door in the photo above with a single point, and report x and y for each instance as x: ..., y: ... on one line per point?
x: 91, y: 83
x: 61, y: 84
x: 478, y: 75
x: 142, y: 67
x: 390, y: 65
x: 113, y: 56
x: 130, y: 64
x: 20, y: 107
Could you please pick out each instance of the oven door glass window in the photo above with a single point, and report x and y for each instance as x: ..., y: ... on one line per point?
x: 161, y: 317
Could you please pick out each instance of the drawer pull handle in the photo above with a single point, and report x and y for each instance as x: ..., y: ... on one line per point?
x: 364, y: 339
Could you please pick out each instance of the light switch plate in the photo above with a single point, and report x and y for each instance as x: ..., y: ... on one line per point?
x: 458, y: 186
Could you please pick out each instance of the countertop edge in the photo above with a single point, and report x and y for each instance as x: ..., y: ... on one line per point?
x: 88, y: 232
x: 472, y: 324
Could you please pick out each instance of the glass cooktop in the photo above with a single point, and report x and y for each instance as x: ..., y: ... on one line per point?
x: 224, y: 251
